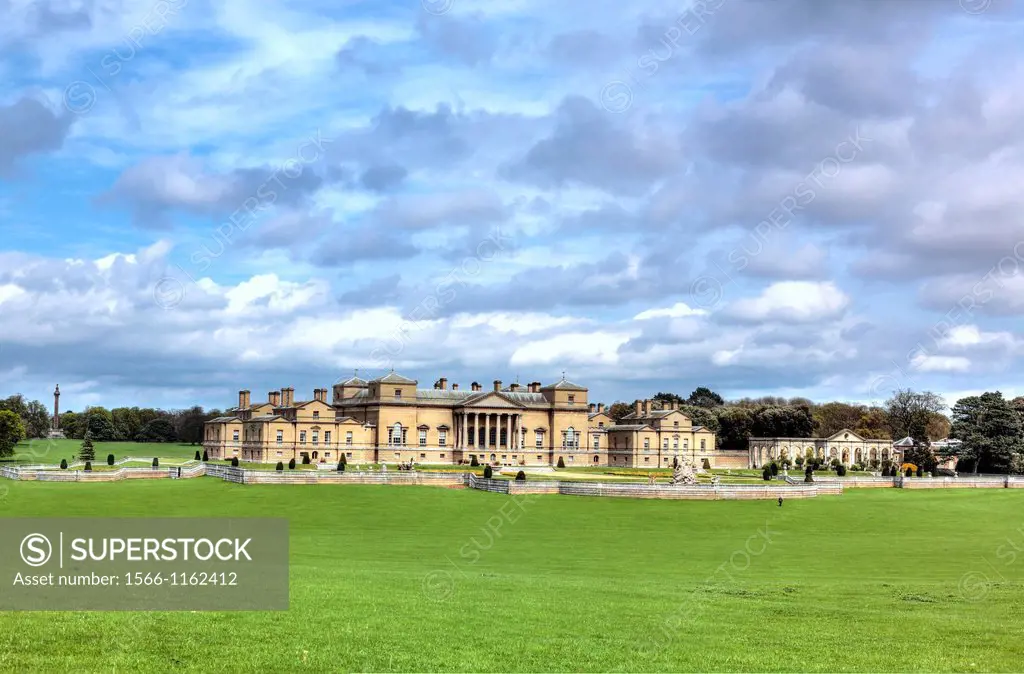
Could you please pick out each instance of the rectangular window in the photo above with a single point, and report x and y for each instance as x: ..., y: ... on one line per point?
x: 398, y: 394
x: 597, y: 442
x: 571, y: 458
x: 423, y: 456
x: 302, y: 437
x: 675, y: 443
x: 664, y: 443
x: 647, y: 459
x: 279, y: 453
x: 327, y: 455
x: 316, y: 414
x: 327, y: 437
x: 647, y: 443
x: 348, y: 455
x: 423, y: 438
x: 348, y: 437
x: 540, y: 458
x: 442, y: 438
x: 686, y: 444
x: 280, y: 437
x: 600, y: 424
x: 316, y: 437
x: 398, y: 455
x: 572, y: 399
x: 675, y: 424
x: 442, y: 455
x: 540, y: 439
x: 702, y: 444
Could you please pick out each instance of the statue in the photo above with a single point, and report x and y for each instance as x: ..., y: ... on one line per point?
x: 683, y: 474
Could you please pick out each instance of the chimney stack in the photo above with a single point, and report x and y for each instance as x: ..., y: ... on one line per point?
x: 287, y: 396
x: 455, y: 387
x: 535, y: 387
x: 497, y: 384
x: 592, y: 408
x: 320, y: 394
x: 275, y: 398
x: 475, y: 386
x: 243, y: 400
x: 513, y: 387
x: 444, y: 383
x: 647, y: 408
x: 638, y: 408
x: 600, y: 407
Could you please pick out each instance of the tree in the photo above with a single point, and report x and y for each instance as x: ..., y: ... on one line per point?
x: 701, y: 416
x: 234, y: 462
x: 341, y: 464
x: 87, y: 452
x: 521, y: 476
x: 156, y: 462
x: 766, y: 474
x: 833, y: 417
x: 305, y: 458
x: 206, y: 455
x: 198, y: 456
x: 909, y: 414
x: 280, y: 466
x: 619, y: 410
x: 735, y: 426
x: 473, y: 461
x: 488, y: 472
x: 705, y: 397
x: 12, y: 431
x: 343, y: 461
x: 110, y: 459
x: 37, y: 419
x: 63, y: 464
x: 98, y: 422
x: 809, y: 473
x: 873, y: 424
x: 157, y: 430
x: 88, y: 466
x: 561, y: 463
x: 990, y: 430
x: 938, y: 427
x: 291, y: 464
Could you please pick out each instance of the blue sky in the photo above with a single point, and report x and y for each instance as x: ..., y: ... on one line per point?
x: 786, y: 198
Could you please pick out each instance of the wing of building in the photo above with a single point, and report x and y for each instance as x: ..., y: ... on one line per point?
x: 390, y: 419
x: 845, y: 446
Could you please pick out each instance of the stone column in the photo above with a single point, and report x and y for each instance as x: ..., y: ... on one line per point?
x: 487, y: 431
x: 508, y: 431
x: 462, y: 431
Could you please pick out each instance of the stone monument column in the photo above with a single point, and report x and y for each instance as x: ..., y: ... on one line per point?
x: 55, y: 431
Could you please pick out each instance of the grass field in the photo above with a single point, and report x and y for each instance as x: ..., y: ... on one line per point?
x: 52, y: 451
x: 410, y: 579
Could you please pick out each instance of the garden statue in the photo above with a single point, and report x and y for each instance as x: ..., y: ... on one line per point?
x: 683, y: 474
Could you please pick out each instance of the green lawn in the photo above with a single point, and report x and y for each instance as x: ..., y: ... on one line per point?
x: 409, y: 579
x: 52, y: 451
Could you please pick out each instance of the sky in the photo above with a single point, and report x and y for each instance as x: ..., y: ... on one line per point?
x: 797, y: 197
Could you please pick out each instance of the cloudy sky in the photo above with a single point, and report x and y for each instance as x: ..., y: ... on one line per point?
x: 798, y: 197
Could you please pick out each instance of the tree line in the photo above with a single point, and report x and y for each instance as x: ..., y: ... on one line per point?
x: 989, y: 426
x: 26, y: 419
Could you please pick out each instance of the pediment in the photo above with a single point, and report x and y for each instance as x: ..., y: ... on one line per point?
x: 492, y: 400
x: 845, y: 435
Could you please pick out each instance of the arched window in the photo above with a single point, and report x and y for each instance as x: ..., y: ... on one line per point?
x: 396, y: 434
x: 570, y: 437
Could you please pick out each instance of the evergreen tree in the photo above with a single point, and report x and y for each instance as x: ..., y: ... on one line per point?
x: 87, y: 452
x: 990, y: 429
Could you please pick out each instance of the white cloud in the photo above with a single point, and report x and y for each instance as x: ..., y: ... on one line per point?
x: 802, y: 301
x: 677, y: 310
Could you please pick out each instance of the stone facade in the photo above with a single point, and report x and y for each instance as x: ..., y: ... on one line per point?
x: 391, y: 420
x: 846, y: 446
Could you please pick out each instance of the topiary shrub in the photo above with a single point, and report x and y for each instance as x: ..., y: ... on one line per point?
x: 799, y: 461
x: 561, y: 463
x: 63, y: 464
x: 841, y: 470
x: 291, y: 464
x: 474, y: 462
x: 305, y: 459
x: 156, y: 462
x: 488, y: 472
x: 920, y: 471
x: 88, y: 466
x: 234, y: 462
x: 110, y: 459
x: 280, y: 466
x: 774, y: 467
x: 809, y: 474
x: 198, y: 456
x: 909, y: 473
x: 767, y: 473
x: 343, y: 461
x: 341, y: 464
x: 707, y: 465
x: 206, y: 457
x: 520, y: 476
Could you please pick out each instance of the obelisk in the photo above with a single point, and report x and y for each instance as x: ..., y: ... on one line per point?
x: 55, y: 431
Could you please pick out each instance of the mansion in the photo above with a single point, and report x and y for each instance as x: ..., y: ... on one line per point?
x: 390, y: 419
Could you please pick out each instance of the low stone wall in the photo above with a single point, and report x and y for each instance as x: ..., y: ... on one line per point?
x: 703, y: 492
x: 731, y: 458
x: 954, y: 482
